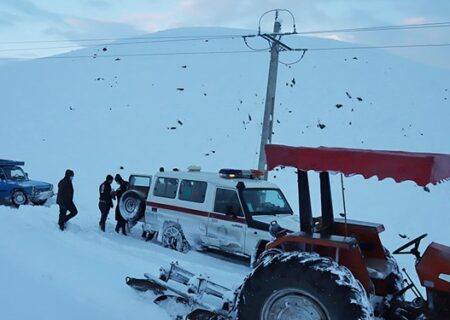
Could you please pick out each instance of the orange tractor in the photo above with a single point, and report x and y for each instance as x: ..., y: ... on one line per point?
x: 332, y: 269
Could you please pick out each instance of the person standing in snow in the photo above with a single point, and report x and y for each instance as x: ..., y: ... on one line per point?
x: 105, y: 202
x: 65, y: 199
x: 123, y: 186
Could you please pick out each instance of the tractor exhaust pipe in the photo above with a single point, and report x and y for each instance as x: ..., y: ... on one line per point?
x: 304, y: 198
x: 326, y: 201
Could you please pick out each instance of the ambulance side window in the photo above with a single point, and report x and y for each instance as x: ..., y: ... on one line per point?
x: 166, y: 187
x: 191, y: 190
x: 227, y: 202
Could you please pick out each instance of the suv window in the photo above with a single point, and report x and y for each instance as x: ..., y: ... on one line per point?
x: 191, y: 190
x: 166, y: 187
x: 227, y: 202
x: 14, y: 173
x: 140, y: 181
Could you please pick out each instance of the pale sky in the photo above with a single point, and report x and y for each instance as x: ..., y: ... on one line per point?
x: 47, y: 20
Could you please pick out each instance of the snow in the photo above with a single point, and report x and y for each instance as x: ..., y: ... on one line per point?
x: 80, y: 273
x: 94, y: 115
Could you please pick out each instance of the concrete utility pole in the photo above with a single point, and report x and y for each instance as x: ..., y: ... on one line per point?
x: 266, y: 136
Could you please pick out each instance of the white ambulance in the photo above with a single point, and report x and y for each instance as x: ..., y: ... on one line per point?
x: 229, y: 211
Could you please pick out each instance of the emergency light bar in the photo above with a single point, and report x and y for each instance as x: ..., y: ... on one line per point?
x: 241, y: 174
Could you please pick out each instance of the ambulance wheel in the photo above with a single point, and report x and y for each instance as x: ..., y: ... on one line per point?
x: 173, y: 237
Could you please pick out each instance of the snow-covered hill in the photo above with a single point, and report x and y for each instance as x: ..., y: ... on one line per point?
x: 134, y: 106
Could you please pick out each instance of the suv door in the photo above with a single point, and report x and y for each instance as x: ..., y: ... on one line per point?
x: 227, y: 226
x: 4, y: 192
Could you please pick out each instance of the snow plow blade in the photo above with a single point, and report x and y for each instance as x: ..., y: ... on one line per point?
x: 191, y: 293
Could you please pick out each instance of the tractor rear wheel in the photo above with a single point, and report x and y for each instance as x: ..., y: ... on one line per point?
x: 294, y: 286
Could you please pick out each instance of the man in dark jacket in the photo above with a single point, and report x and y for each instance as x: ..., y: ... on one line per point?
x: 123, y: 186
x: 105, y: 201
x: 65, y: 199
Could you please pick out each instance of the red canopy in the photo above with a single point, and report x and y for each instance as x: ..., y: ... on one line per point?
x: 422, y: 168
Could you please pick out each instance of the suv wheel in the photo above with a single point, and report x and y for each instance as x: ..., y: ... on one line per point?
x: 18, y: 198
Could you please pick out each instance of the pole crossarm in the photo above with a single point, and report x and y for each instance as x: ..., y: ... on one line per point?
x: 275, y: 40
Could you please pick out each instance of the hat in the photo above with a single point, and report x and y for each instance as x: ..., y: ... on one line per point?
x: 109, y: 177
x: 69, y: 173
x: 118, y: 178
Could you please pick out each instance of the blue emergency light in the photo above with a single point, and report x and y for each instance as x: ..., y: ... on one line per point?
x: 240, y: 174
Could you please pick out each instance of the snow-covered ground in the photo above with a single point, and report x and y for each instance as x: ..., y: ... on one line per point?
x: 80, y: 273
x: 95, y: 115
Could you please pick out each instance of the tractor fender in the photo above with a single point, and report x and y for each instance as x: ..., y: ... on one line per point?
x: 433, y: 268
x: 256, y: 252
x: 346, y: 251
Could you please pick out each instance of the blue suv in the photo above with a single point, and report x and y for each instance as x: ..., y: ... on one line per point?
x: 16, y: 189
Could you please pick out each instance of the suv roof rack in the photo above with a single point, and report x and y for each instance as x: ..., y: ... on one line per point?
x: 4, y: 162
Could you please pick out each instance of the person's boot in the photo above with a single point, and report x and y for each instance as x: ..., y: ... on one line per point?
x: 102, y: 226
x: 124, y: 232
x: 117, y: 228
x: 61, y: 224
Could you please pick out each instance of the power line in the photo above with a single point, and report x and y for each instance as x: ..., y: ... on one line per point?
x: 245, y: 39
x: 381, y: 28
x: 252, y: 48
x: 147, y: 54
x: 168, y: 39
x: 121, y: 43
x: 382, y: 47
x: 297, y: 60
x: 123, y: 39
x: 444, y: 24
x: 118, y: 55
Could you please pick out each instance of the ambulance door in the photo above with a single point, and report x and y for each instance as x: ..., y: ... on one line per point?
x: 227, y: 226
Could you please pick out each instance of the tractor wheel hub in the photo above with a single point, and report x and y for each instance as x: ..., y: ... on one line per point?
x: 292, y: 304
